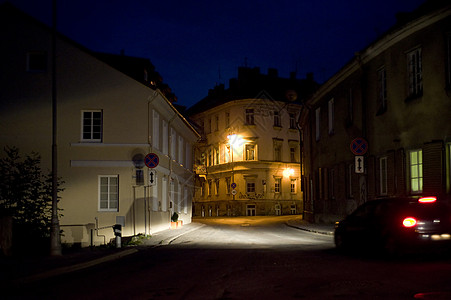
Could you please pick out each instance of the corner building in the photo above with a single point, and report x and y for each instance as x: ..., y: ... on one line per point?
x: 248, y: 160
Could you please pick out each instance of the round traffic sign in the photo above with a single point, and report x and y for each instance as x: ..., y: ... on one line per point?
x: 359, y: 146
x: 151, y: 160
x: 233, y: 185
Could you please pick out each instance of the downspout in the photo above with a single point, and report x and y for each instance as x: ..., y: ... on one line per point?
x: 97, y: 231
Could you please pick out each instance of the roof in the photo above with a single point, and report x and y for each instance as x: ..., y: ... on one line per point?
x: 250, y: 84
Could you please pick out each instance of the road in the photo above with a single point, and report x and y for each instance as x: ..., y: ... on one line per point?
x: 251, y: 258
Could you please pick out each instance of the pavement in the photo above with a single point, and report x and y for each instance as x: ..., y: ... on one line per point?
x: 15, y: 271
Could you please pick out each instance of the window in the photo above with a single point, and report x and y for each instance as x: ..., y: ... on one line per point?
x: 217, y: 186
x: 227, y: 119
x: 250, y: 116
x: 383, y: 175
x: 250, y: 151
x: 216, y: 162
x: 139, y: 177
x: 37, y: 61
x: 228, y: 184
x: 92, y: 126
x: 331, y: 110
x: 165, y: 137
x: 216, y: 123
x: 210, y: 182
x: 173, y: 141
x: 109, y: 193
x: 250, y: 187
x: 293, y: 186
x: 317, y: 123
x: 415, y: 73
x: 278, y: 185
x: 181, y: 148
x: 292, y: 121
x: 277, y: 119
x: 277, y: 150
x: 448, y: 62
x: 292, y: 154
x: 381, y: 91
x: 156, y: 130
x: 416, y: 171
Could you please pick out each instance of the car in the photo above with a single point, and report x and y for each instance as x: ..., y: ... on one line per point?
x: 396, y: 225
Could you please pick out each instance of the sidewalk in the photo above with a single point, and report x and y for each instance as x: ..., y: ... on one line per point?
x: 15, y: 271
x: 327, y: 229
x: 26, y: 269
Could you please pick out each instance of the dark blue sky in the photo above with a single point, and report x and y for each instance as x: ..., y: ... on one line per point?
x: 195, y: 45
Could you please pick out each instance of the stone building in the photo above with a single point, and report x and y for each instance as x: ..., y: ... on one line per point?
x: 248, y: 161
x: 381, y: 127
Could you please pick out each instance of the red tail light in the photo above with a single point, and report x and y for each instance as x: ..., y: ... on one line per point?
x: 409, y: 222
x: 427, y: 199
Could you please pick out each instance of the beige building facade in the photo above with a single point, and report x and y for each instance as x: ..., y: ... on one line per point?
x: 393, y: 98
x: 248, y: 163
x: 107, y: 123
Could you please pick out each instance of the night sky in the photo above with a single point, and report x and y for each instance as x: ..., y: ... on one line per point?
x: 196, y: 45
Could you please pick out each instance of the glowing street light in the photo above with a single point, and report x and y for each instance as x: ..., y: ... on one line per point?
x: 288, y: 172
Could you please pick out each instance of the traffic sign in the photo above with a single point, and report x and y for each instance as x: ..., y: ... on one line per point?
x: 233, y: 185
x: 359, y: 164
x: 359, y: 146
x: 152, y: 177
x: 234, y: 192
x: 151, y: 160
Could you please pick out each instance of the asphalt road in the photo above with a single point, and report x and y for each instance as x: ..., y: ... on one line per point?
x: 250, y: 258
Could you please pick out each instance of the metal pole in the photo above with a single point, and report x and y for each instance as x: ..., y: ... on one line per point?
x: 55, y: 238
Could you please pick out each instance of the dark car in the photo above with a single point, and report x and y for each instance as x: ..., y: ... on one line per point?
x: 396, y: 225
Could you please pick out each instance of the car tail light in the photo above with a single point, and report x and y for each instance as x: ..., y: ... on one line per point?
x: 427, y: 199
x: 409, y: 222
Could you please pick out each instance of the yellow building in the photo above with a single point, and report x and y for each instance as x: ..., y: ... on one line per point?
x: 107, y: 123
x: 248, y: 162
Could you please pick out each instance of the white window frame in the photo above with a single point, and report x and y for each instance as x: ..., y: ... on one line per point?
x: 416, y: 170
x: 111, y: 191
x: 415, y: 72
x: 278, y: 185
x: 293, y: 188
x: 91, y: 126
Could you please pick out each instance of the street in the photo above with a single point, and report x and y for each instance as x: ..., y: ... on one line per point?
x: 250, y: 258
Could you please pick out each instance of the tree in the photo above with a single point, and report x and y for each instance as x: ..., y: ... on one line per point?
x: 26, y: 194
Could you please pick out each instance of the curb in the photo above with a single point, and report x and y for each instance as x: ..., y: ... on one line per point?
x: 310, y: 229
x: 171, y: 239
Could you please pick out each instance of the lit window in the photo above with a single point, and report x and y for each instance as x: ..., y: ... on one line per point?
x: 109, y: 193
x: 293, y: 186
x: 416, y: 171
x: 415, y: 73
x: 92, y: 126
x: 250, y: 152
